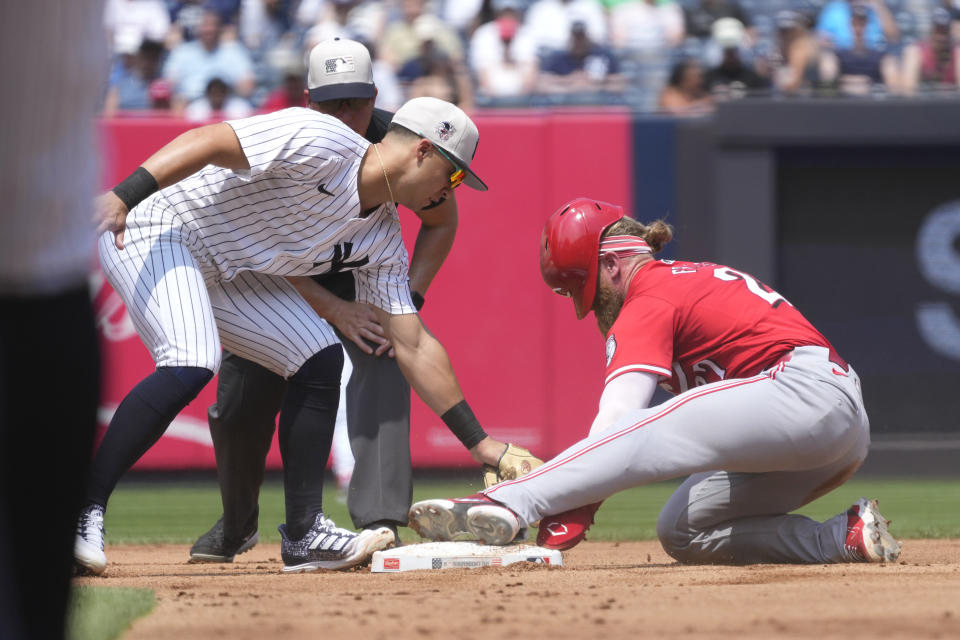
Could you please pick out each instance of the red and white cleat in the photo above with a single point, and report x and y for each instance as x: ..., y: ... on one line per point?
x: 868, y: 539
x: 477, y: 516
x: 568, y: 529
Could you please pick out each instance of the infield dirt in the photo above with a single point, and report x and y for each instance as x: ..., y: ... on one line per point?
x: 609, y: 590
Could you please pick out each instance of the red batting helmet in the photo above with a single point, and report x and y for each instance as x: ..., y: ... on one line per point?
x: 570, y: 249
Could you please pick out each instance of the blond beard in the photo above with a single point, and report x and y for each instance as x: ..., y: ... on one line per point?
x: 606, y: 306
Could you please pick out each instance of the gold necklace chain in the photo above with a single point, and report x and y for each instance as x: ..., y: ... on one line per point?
x: 384, y: 169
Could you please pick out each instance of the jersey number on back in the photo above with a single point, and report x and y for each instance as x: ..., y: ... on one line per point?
x: 754, y: 286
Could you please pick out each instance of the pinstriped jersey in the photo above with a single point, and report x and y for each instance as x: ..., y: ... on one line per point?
x: 692, y: 323
x: 295, y: 212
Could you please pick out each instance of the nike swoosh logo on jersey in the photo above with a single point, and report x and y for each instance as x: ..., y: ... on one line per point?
x: 840, y: 373
x: 323, y: 189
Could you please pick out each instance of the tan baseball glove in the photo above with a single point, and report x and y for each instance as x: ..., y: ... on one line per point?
x: 514, y: 462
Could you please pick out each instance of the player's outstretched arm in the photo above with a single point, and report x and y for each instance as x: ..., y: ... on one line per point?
x: 426, y: 366
x: 627, y: 392
x: 215, y: 144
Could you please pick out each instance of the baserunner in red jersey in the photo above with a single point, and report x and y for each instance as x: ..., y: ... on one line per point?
x: 766, y: 415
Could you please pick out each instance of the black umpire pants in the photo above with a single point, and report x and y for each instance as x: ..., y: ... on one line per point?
x: 243, y: 420
x: 49, y: 393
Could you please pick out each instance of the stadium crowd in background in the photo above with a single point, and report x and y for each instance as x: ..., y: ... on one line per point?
x: 217, y: 58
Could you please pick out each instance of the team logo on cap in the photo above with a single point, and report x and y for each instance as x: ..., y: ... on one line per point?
x: 340, y: 64
x: 445, y: 130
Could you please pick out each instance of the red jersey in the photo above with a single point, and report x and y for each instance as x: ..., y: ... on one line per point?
x: 692, y: 323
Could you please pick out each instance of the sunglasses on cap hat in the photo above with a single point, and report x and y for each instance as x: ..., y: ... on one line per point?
x: 456, y: 178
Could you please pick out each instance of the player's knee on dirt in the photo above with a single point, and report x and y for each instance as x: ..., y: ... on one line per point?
x: 676, y: 535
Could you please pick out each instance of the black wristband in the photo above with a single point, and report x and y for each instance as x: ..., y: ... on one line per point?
x: 417, y: 298
x: 463, y: 424
x: 136, y: 188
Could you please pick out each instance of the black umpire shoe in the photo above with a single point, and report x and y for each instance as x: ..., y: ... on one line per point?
x: 210, y: 547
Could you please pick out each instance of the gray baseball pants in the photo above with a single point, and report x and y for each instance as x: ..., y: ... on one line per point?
x: 754, y: 449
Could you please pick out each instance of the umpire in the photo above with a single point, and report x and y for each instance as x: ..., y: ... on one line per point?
x: 242, y: 422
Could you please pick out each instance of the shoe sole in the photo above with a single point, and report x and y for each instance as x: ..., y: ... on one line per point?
x: 445, y: 520
x: 197, y: 558
x: 881, y: 545
x: 377, y: 540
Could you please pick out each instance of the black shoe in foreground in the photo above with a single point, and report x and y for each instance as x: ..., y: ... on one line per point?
x: 210, y: 547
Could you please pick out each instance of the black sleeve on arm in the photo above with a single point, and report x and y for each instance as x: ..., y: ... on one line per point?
x: 463, y: 424
x: 136, y: 188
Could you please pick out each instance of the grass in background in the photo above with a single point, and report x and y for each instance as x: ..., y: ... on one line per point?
x: 179, y: 512
x: 103, y: 613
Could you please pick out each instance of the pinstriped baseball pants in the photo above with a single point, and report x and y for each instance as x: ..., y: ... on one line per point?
x: 754, y: 450
x: 184, y: 315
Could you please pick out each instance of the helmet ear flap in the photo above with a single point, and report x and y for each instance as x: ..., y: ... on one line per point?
x: 570, y: 249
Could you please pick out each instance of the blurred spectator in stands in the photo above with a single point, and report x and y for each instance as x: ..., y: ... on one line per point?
x: 953, y: 8
x: 328, y: 19
x: 466, y: 15
x: 732, y: 77
x: 646, y: 27
x: 290, y: 93
x: 266, y: 30
x: 699, y: 18
x: 443, y: 78
x: 432, y: 72
x: 401, y: 39
x: 217, y: 103
x: 502, y: 56
x: 264, y: 24
x: 860, y: 68
x: 548, y: 22
x: 185, y: 17
x: 834, y: 24
x: 583, y: 66
x: 227, y: 10
x: 390, y: 95
x: 130, y: 79
x: 192, y: 65
x: 933, y: 63
x: 161, y: 95
x: 130, y: 22
x: 686, y: 91
x: 798, y: 62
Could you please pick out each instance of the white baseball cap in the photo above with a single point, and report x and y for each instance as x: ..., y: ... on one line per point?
x: 446, y: 126
x: 728, y: 32
x: 340, y: 68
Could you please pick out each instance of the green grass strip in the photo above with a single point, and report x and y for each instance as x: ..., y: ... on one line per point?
x: 103, y: 613
x: 178, y: 513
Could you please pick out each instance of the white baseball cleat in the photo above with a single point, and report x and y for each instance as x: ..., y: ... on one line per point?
x: 868, y: 538
x: 476, y: 515
x: 88, y: 546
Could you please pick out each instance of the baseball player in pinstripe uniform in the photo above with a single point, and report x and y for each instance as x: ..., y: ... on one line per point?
x: 243, y: 420
x: 211, y: 243
x: 767, y: 416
